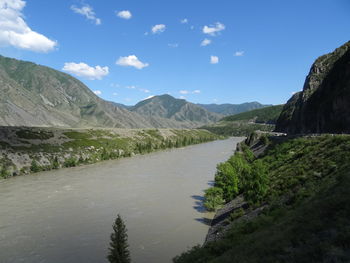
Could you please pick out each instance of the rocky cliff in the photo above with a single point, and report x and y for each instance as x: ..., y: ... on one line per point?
x: 324, y: 104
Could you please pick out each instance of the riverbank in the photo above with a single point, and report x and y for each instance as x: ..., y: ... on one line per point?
x: 25, y: 150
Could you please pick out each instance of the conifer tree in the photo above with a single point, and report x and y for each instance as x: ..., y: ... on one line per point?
x: 119, y: 248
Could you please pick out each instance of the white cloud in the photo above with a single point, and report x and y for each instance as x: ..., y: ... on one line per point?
x: 239, y: 53
x: 173, y: 45
x: 145, y: 90
x: 14, y: 31
x: 88, y: 12
x: 197, y: 91
x: 184, y: 21
x: 131, y: 61
x: 149, y: 97
x: 182, y: 97
x: 84, y: 70
x: 192, y: 27
x: 205, y: 42
x: 184, y: 92
x: 115, y: 94
x: 130, y: 87
x: 125, y: 14
x: 214, y: 59
x: 97, y: 92
x: 158, y: 29
x: 213, y: 29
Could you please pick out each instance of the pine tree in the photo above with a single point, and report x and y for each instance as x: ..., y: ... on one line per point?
x: 119, y: 248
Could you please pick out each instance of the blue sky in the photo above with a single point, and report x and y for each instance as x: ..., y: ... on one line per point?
x: 253, y: 50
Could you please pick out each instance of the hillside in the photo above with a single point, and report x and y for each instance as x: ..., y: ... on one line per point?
x: 34, y: 95
x: 230, y: 109
x: 267, y: 115
x: 244, y: 123
x: 295, y: 208
x: 324, y: 103
x: 166, y: 111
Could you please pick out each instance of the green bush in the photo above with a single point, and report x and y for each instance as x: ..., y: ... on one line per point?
x: 213, y: 198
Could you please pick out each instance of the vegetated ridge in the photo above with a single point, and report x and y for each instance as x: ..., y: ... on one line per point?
x: 324, y: 103
x: 244, y: 123
x: 231, y: 109
x: 267, y: 115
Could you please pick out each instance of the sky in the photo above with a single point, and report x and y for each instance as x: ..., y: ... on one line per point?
x: 205, y: 51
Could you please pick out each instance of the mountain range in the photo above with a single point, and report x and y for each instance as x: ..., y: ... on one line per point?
x: 35, y: 95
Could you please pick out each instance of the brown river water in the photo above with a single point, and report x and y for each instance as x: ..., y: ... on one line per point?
x: 66, y: 215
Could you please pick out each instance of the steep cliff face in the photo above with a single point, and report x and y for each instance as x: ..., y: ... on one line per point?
x: 324, y: 104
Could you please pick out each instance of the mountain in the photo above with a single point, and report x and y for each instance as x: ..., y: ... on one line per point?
x: 167, y: 111
x: 231, y: 109
x: 324, y: 104
x: 34, y: 95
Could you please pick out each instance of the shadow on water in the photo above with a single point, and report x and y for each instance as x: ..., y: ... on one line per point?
x: 204, y: 220
x: 211, y: 183
x: 199, y: 203
x: 199, y: 206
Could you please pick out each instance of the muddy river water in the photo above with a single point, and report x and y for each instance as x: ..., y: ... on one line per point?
x: 67, y: 215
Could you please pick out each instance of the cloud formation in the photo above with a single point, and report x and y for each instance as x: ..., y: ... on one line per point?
x: 88, y: 12
x: 214, y: 59
x: 144, y: 90
x: 97, y: 92
x: 157, y: 29
x: 184, y: 21
x: 15, y: 32
x: 131, y: 61
x: 197, y: 91
x: 213, y: 30
x: 184, y: 91
x: 84, y: 70
x: 125, y: 14
x: 205, y: 42
x: 173, y: 45
x: 239, y: 53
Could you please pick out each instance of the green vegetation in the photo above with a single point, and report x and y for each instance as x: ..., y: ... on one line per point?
x: 119, y: 248
x: 263, y: 115
x: 32, y: 135
x: 237, y: 128
x: 245, y: 123
x: 303, y: 184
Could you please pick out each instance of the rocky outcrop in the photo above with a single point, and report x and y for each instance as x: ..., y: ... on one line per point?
x: 324, y: 104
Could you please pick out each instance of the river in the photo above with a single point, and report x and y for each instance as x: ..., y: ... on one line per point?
x: 66, y: 215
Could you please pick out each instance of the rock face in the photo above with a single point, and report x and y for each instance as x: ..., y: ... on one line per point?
x: 33, y: 95
x: 166, y: 111
x: 324, y: 104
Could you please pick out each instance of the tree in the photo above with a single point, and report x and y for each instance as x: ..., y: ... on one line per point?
x: 256, y: 184
x: 119, y: 248
x: 226, y: 178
